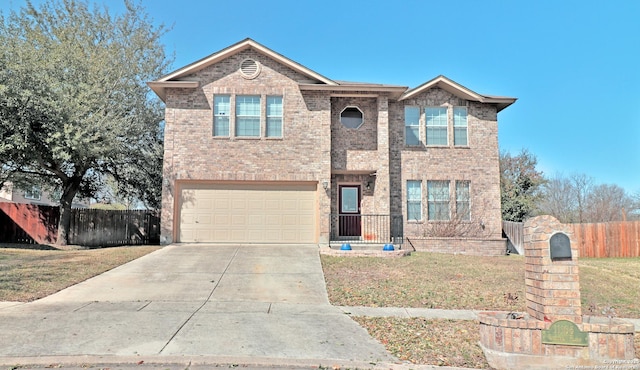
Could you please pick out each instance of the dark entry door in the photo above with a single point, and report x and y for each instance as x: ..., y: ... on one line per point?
x: 349, y: 215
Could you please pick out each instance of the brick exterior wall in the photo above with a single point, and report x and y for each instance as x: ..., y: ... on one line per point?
x: 477, y: 163
x: 316, y: 147
x: 552, y: 287
x: 192, y: 153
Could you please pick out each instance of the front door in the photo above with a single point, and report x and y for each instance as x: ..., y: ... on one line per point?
x: 349, y: 215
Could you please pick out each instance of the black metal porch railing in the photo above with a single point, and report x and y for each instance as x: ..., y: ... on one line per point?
x: 367, y: 228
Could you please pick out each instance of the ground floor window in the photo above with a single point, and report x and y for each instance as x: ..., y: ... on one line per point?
x: 438, y: 200
x: 414, y: 200
x: 463, y: 202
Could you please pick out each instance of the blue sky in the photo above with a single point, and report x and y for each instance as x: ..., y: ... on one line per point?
x: 573, y: 65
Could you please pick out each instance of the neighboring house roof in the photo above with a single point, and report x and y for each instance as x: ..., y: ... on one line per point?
x: 460, y: 91
x: 317, y: 82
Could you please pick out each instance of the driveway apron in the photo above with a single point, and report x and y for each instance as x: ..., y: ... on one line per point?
x: 257, y: 301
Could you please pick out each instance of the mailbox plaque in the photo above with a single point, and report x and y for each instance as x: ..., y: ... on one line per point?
x: 566, y: 333
x: 560, y: 246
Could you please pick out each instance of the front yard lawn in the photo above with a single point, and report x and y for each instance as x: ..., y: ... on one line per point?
x: 431, y: 280
x: 29, y: 273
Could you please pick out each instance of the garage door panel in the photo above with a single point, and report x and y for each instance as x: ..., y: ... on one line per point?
x: 239, y: 220
x: 281, y: 213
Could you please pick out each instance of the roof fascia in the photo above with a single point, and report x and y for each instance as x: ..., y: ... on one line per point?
x: 395, y: 91
x: 445, y: 84
x: 159, y: 87
x: 460, y: 91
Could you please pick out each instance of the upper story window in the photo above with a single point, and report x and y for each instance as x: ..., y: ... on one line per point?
x: 248, y: 115
x: 351, y: 117
x: 221, y: 115
x: 460, y: 126
x: 438, y: 122
x: 436, y: 118
x: 412, y: 125
x: 274, y: 116
x: 33, y: 193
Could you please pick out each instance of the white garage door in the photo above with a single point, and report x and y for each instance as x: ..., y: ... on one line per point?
x: 237, y: 213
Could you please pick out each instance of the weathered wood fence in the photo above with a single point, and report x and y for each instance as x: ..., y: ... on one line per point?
x: 514, y: 231
x: 105, y: 228
x: 26, y: 223
x: 608, y: 239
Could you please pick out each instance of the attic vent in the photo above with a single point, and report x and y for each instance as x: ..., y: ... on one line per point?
x: 249, y: 68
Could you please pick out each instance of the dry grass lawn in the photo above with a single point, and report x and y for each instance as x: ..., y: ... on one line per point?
x: 30, y: 274
x: 444, y: 281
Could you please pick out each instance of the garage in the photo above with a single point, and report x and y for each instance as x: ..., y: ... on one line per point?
x: 247, y: 213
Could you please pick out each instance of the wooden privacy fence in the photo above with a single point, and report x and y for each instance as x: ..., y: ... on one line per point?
x: 27, y: 223
x: 32, y: 224
x: 610, y: 239
x: 105, y: 228
x: 514, y: 231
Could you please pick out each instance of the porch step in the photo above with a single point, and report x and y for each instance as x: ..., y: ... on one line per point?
x: 336, y: 245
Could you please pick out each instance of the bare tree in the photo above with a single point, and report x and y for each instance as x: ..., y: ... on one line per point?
x: 559, y: 200
x: 576, y: 199
x: 582, y: 185
x: 607, y: 203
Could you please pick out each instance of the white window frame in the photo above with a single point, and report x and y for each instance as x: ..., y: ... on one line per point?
x: 460, y: 126
x: 439, y: 126
x: 463, y: 200
x: 414, y: 200
x: 411, y: 125
x: 345, y: 120
x: 275, y: 117
x: 438, y: 201
x: 241, y: 116
x: 35, y: 193
x: 220, y: 116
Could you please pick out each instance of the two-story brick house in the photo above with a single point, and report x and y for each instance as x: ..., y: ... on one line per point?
x: 260, y: 149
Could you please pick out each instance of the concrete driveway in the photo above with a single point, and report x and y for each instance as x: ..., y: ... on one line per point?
x: 230, y: 304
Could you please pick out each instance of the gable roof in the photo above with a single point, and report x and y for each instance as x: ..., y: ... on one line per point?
x: 175, y: 78
x: 179, y: 79
x: 460, y: 91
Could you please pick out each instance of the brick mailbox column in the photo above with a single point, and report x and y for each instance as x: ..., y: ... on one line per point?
x: 551, y: 271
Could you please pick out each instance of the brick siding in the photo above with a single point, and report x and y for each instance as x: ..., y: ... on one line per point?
x: 316, y: 147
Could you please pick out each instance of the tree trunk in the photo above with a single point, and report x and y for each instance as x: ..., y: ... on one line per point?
x: 64, y: 225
